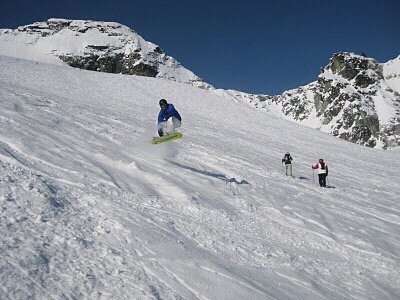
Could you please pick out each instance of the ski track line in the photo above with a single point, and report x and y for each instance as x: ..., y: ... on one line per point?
x: 378, y: 217
x: 24, y: 162
x: 319, y: 286
x: 328, y: 233
x: 142, y: 244
x: 175, y: 278
x: 164, y: 231
x: 242, y: 283
x: 298, y: 282
x: 311, y: 221
x: 366, y: 200
x: 376, y: 254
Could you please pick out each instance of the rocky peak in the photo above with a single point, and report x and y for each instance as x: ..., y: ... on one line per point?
x: 97, y: 46
x: 354, y: 97
x: 363, y: 70
x: 352, y: 101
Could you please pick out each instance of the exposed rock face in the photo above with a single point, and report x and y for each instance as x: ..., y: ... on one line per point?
x: 355, y: 98
x: 346, y: 105
x: 97, y: 46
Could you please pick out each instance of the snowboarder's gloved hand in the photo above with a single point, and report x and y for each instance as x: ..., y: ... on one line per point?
x: 160, y: 132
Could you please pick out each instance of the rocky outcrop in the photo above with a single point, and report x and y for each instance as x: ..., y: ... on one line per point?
x: 96, y: 46
x: 345, y: 98
x: 354, y: 98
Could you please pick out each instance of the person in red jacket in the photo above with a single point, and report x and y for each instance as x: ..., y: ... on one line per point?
x: 322, y: 168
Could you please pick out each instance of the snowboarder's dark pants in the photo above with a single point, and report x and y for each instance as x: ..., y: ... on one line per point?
x: 322, y: 180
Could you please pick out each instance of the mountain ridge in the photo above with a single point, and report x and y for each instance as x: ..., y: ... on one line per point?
x: 354, y: 97
x: 94, y: 45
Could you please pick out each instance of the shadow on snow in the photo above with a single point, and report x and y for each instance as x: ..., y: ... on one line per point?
x: 211, y: 174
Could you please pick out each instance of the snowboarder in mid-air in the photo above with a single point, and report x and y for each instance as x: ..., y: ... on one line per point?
x: 168, y: 118
x: 322, y: 168
x: 287, y: 159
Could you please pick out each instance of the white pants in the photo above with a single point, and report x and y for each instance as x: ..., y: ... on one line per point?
x: 288, y: 168
x: 168, y: 127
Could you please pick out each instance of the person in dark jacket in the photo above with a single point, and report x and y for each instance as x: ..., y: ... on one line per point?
x: 322, y: 168
x: 287, y: 159
x: 168, y: 118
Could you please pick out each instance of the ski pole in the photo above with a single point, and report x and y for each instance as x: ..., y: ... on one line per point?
x: 313, y: 180
x: 291, y: 170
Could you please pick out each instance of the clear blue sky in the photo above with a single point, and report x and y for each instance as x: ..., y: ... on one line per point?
x: 252, y: 46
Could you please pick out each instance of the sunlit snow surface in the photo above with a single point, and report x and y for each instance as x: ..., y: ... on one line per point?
x: 91, y: 210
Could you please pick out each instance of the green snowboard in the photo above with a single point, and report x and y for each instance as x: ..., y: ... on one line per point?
x: 165, y: 138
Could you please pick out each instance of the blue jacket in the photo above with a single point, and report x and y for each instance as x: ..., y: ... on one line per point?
x: 167, y: 113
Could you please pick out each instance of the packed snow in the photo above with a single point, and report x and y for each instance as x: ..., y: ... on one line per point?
x: 91, y: 210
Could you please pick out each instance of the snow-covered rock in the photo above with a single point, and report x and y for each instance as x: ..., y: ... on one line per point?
x: 355, y: 98
x: 97, y: 46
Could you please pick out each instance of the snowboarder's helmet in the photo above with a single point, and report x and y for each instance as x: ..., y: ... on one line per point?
x: 163, y: 102
x: 321, y: 160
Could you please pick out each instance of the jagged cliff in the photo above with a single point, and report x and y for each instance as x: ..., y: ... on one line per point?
x: 355, y: 98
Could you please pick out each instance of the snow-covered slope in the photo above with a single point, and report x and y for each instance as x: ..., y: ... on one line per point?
x: 355, y: 98
x: 91, y: 45
x: 90, y: 210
